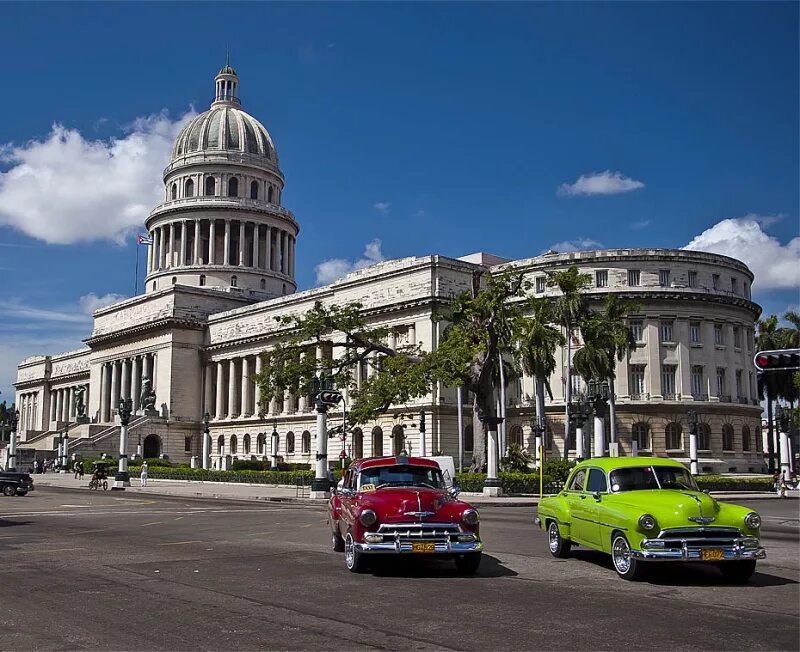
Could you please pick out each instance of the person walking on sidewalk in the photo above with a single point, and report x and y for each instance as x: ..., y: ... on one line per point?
x: 143, y: 476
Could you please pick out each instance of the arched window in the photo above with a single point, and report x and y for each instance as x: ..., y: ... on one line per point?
x: 703, y: 437
x: 358, y: 443
x: 284, y: 288
x: 673, y: 434
x: 290, y: 442
x: 263, y: 284
x: 202, y: 280
x: 154, y: 286
x: 261, y: 443
x: 188, y: 188
x: 174, y: 191
x: 398, y: 439
x: 254, y: 190
x: 234, y: 281
x: 641, y: 435
x: 269, y: 195
x: 469, y: 438
x: 174, y: 280
x: 745, y: 438
x: 221, y: 445
x: 306, y: 442
x: 515, y: 436
x: 234, y: 445
x: 246, y: 445
x: 211, y: 186
x: 377, y: 441
x: 233, y: 187
x: 727, y: 437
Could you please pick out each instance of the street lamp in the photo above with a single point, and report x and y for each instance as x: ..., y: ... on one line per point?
x: 65, y: 451
x: 326, y: 395
x: 206, y: 463
x: 274, y: 446
x: 691, y: 422
x: 11, y: 459
x: 123, y: 479
x: 423, y: 449
x: 783, y: 419
x: 599, y: 393
x: 492, y: 485
x: 538, y: 428
x: 579, y: 411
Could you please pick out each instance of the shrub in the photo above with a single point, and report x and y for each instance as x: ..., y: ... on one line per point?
x: 557, y: 468
x: 728, y: 483
x: 510, y: 482
x: 517, y: 459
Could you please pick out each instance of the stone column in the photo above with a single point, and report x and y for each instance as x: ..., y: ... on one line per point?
x: 115, y: 386
x: 245, y: 404
x: 65, y: 406
x: 184, y: 242
x: 653, y: 370
x: 105, y: 392
x: 282, y: 258
x: 59, y: 405
x: 196, y: 243
x: 162, y: 247
x: 212, y: 237
x: 53, y: 406
x: 171, y: 246
x: 256, y: 230
x: 268, y: 249
x: 125, y: 390
x: 257, y: 390
x: 292, y: 242
x: 154, y: 251
x: 226, y: 254
x: 150, y: 253
x: 208, y: 403
x: 136, y: 387
x: 220, y: 391
x: 242, y: 239
x: 412, y: 334
x: 231, y: 387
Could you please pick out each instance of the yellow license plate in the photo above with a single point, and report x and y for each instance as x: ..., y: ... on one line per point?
x: 712, y: 554
x: 425, y: 546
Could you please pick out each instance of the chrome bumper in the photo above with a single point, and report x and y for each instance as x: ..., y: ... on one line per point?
x: 741, y: 549
x: 402, y: 547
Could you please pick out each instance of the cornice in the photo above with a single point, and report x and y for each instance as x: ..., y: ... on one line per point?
x: 125, y: 333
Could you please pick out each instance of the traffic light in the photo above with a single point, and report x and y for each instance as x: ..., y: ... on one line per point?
x: 330, y: 397
x: 777, y: 360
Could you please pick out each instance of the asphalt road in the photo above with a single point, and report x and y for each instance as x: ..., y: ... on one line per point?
x: 82, y: 570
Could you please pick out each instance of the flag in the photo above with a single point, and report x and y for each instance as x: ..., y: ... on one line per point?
x: 143, y: 240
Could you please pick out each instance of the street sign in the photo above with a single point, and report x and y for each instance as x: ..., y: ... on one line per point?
x: 777, y: 360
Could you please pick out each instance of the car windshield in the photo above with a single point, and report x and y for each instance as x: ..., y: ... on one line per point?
x: 636, y: 478
x: 401, y: 475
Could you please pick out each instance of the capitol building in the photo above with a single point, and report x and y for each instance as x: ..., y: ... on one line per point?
x: 222, y: 266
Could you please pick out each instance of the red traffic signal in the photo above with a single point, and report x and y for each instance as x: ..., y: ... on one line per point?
x: 778, y: 360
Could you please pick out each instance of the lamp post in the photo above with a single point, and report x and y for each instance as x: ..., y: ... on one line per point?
x: 538, y: 429
x: 691, y: 422
x: 579, y: 412
x: 492, y: 485
x: 423, y: 448
x: 325, y: 396
x: 206, y: 463
x: 122, y: 479
x: 599, y: 394
x: 60, y: 449
x: 783, y: 419
x: 273, y: 447
x: 11, y: 462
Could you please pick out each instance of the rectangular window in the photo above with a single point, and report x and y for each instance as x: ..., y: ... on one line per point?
x: 695, y: 332
x: 734, y: 285
x: 637, y: 329
x: 541, y: 282
x: 715, y: 281
x: 663, y: 278
x: 746, y: 292
x: 697, y: 381
x: 721, y: 384
x: 692, y: 279
x: 668, y: 381
x: 187, y: 444
x: 719, y: 335
x: 576, y: 384
x: 667, y: 328
x: 633, y: 277
x: 637, y: 381
x: 601, y: 278
x: 737, y: 337
x: 739, y: 383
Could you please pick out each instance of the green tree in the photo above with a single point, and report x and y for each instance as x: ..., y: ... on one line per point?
x: 768, y: 338
x: 569, y: 308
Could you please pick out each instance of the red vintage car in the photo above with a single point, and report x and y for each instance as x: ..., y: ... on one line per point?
x: 400, y: 505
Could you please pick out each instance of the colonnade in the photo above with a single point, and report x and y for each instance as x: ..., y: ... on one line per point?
x: 123, y: 379
x: 222, y: 242
x: 62, y: 402
x: 28, y: 411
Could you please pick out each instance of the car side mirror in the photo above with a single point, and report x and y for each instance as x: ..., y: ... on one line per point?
x: 596, y: 495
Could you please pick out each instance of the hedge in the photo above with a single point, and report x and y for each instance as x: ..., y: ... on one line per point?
x: 728, y: 483
x: 510, y: 482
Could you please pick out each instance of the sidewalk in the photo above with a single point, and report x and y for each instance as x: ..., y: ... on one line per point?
x: 282, y: 493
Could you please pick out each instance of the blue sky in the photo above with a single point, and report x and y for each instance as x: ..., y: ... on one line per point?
x: 434, y: 128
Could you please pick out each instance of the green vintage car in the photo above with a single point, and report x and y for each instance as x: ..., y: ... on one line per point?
x: 646, y: 509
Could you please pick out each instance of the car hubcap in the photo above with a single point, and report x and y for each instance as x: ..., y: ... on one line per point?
x: 622, y: 555
x: 555, y: 537
x: 349, y: 551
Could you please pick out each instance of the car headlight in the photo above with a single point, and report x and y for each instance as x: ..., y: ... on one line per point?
x: 753, y: 521
x: 368, y: 517
x: 647, y: 522
x: 470, y: 517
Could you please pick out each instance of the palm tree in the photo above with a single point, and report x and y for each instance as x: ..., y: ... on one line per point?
x: 568, y: 309
x: 793, y: 317
x: 768, y: 339
x: 537, y: 346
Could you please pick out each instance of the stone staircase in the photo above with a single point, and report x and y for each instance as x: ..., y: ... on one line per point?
x: 105, y: 439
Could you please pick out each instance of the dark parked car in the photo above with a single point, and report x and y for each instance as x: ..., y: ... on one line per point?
x: 13, y: 483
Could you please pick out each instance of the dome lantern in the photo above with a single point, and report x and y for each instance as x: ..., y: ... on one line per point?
x: 227, y: 85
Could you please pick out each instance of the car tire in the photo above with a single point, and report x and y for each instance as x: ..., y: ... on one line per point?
x: 738, y: 572
x: 9, y: 490
x: 626, y: 566
x: 337, y: 543
x: 558, y: 545
x: 353, y: 558
x: 22, y: 493
x: 468, y: 563
x: 105, y: 485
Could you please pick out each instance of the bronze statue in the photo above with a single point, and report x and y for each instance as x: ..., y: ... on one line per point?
x: 80, y: 406
x: 148, y: 397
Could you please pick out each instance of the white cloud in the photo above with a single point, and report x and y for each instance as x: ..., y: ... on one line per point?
x: 66, y: 188
x: 580, y: 244
x: 641, y: 224
x: 91, y: 302
x: 13, y: 309
x: 330, y: 270
x: 382, y: 207
x: 600, y: 183
x: 775, y: 265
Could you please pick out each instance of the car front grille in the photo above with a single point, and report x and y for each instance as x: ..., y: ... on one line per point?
x: 704, y: 536
x: 406, y: 534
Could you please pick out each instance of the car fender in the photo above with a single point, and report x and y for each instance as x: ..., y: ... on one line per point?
x: 555, y: 508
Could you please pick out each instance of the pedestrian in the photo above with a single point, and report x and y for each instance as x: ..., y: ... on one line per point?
x: 75, y: 468
x: 143, y: 475
x: 80, y: 470
x: 776, y: 482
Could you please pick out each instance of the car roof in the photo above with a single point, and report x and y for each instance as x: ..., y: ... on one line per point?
x: 611, y: 463
x: 370, y: 462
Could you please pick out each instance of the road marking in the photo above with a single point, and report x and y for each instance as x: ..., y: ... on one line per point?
x: 28, y: 552
x: 92, y: 531
x: 179, y: 518
x: 178, y: 543
x: 153, y: 523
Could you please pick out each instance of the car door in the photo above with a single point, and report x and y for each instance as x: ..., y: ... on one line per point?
x: 596, y: 488
x: 348, y: 496
x: 576, y: 500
